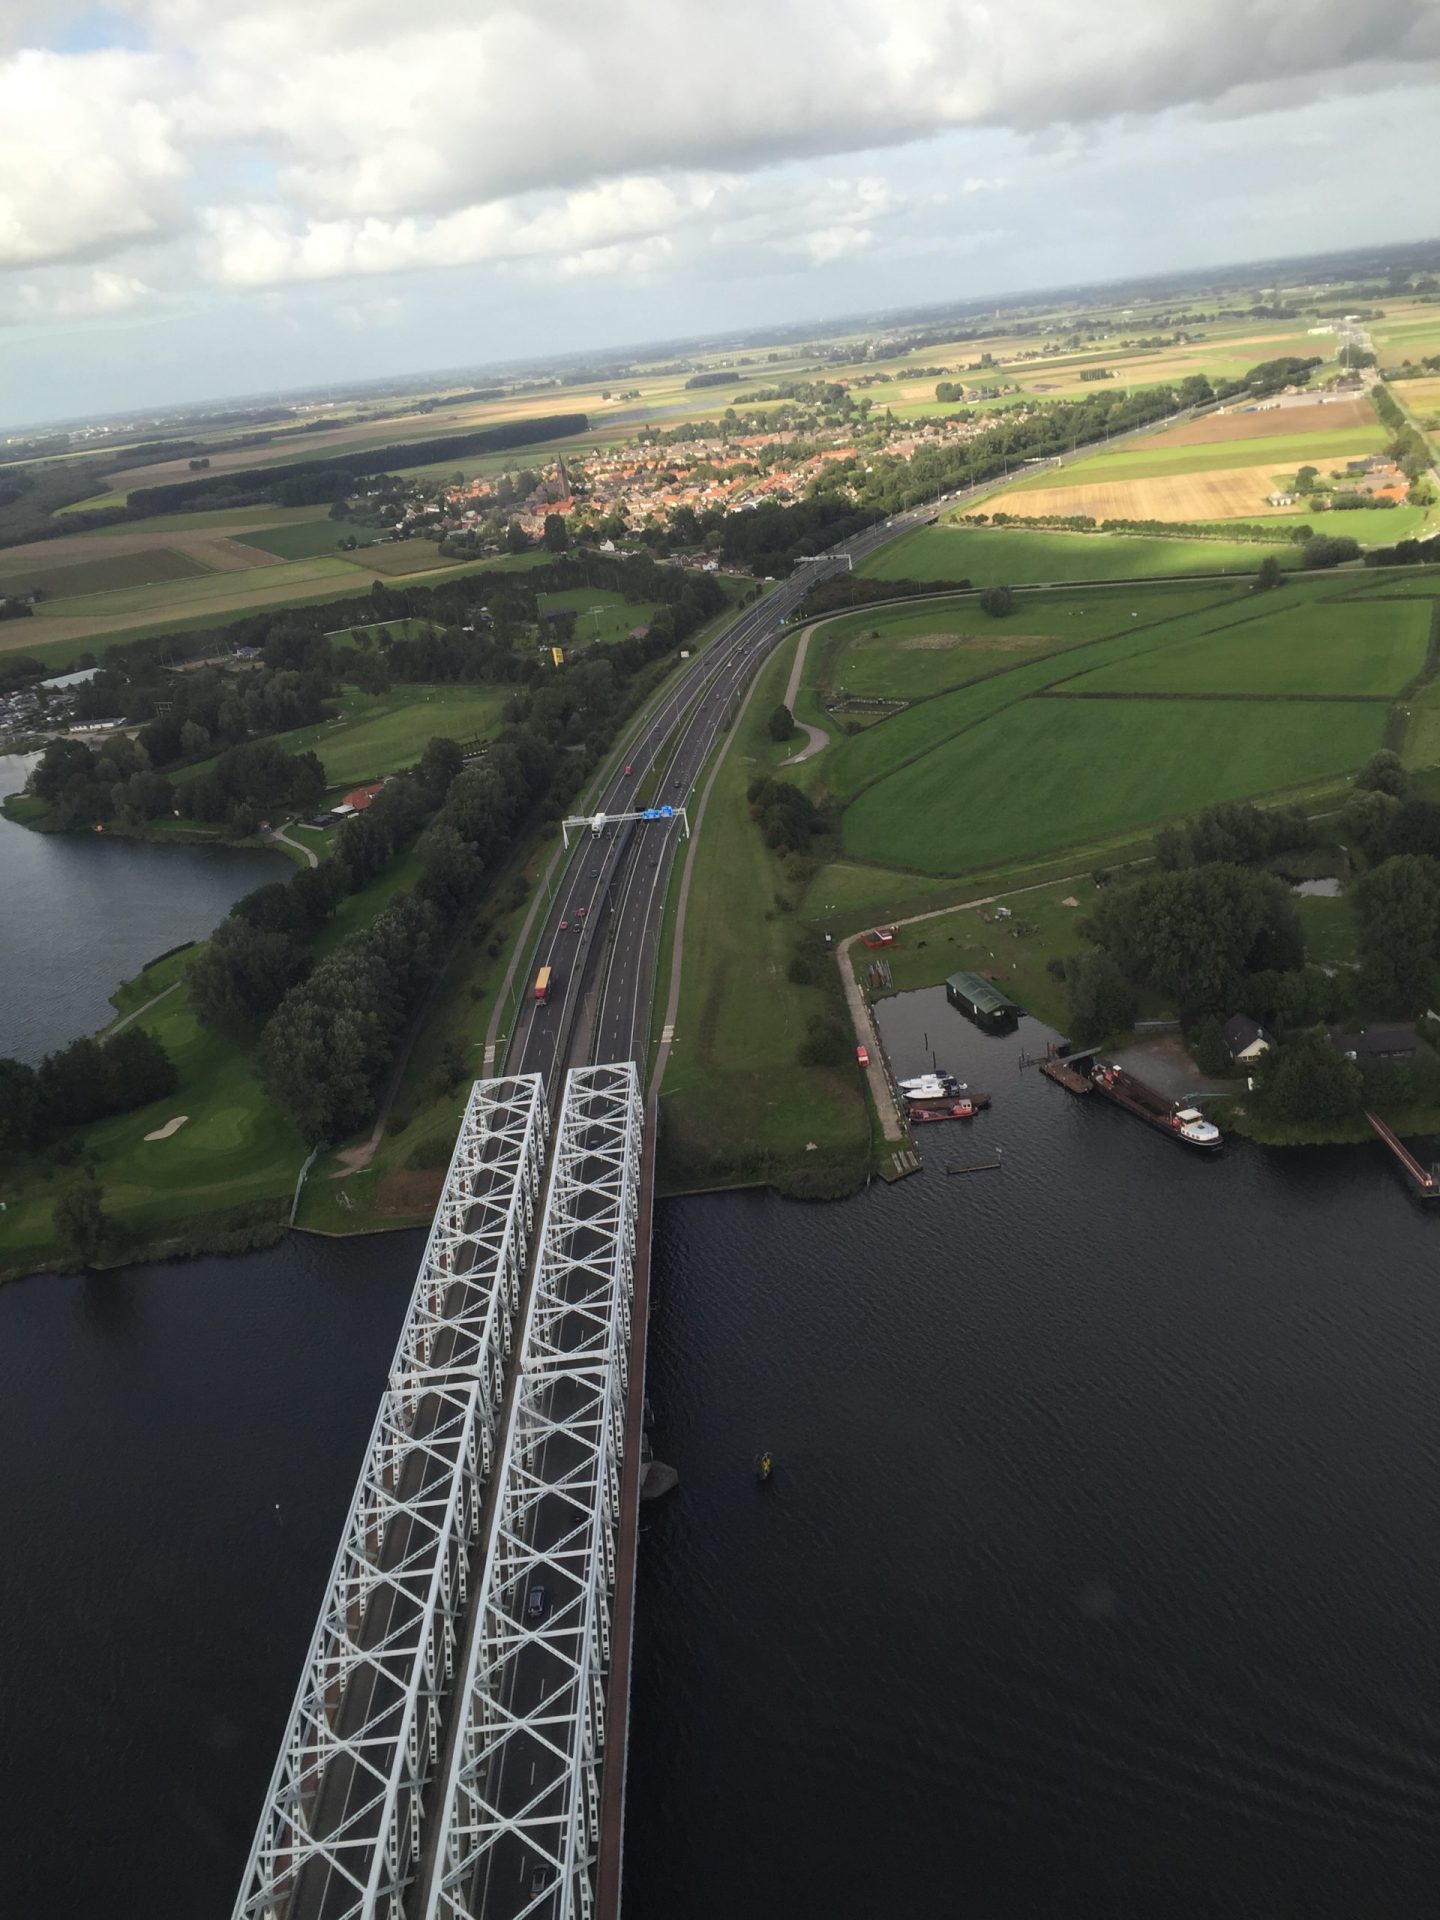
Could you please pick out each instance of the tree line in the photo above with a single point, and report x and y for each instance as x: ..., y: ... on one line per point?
x: 87, y: 1081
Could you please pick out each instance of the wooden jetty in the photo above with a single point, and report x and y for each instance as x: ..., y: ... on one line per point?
x: 1426, y: 1183
x: 1065, y: 1075
x: 978, y: 1166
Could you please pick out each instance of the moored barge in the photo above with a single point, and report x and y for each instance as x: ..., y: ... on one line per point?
x: 1186, y: 1124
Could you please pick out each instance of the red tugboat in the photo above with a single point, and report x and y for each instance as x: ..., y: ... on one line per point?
x: 964, y: 1108
x: 1186, y: 1124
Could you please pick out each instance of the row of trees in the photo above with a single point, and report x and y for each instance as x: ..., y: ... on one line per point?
x: 115, y: 782
x: 87, y: 1081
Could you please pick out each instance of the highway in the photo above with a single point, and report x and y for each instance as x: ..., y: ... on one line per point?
x: 601, y: 930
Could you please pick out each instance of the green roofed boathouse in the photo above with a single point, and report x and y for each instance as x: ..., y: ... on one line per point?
x: 985, y: 1003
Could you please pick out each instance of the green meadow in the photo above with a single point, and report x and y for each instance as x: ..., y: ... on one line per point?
x: 1159, y: 701
x: 1046, y: 773
x: 1024, y: 556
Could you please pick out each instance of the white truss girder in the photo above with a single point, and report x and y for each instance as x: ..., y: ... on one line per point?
x: 339, y: 1836
x: 519, y: 1817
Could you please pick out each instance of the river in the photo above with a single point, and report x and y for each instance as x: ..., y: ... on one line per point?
x: 80, y: 912
x: 1097, y: 1577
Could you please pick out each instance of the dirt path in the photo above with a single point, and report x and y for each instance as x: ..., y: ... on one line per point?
x: 299, y: 846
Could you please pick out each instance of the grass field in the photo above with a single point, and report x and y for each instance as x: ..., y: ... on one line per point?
x: 1002, y: 770
x: 1023, y: 556
x: 946, y: 642
x: 600, y: 616
x: 304, y: 539
x: 1046, y: 773
x: 378, y: 733
x: 1357, y: 647
x: 737, y: 1104
x: 235, y: 1150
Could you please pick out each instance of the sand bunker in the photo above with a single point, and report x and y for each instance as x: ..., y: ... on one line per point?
x: 170, y: 1126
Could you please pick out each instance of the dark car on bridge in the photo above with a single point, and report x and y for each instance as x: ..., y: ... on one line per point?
x: 537, y: 1603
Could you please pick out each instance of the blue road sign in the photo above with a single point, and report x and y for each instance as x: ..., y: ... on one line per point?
x: 667, y: 813
x: 649, y: 814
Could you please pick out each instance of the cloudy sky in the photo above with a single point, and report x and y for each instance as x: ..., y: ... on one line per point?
x: 213, y: 197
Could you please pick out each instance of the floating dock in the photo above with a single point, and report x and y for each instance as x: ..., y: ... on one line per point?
x: 1066, y: 1076
x: 1426, y: 1184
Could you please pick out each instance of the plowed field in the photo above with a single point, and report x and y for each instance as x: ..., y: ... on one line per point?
x: 1224, y: 493
x: 1316, y: 417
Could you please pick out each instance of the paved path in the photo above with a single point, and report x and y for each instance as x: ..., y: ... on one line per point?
x: 299, y: 846
x: 120, y: 1025
x: 817, y: 736
x: 818, y: 739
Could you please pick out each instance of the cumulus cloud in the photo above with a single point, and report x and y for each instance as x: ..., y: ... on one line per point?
x: 70, y: 297
x: 505, y: 130
x: 89, y: 159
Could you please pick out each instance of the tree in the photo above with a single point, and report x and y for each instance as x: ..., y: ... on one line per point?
x: 1324, y: 550
x: 782, y: 724
x: 997, y: 602
x: 242, y: 974
x: 1368, y: 821
x: 1308, y: 1080
x: 1397, y: 924
x: 138, y: 1070
x: 1102, y: 1001
x: 80, y: 1224
x: 1194, y: 935
x: 516, y: 538
x: 1383, y: 772
x: 194, y: 740
x: 1270, y: 574
x: 21, y: 1120
x: 556, y: 535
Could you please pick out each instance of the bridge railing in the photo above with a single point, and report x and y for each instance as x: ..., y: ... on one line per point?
x: 339, y: 1834
x: 519, y: 1817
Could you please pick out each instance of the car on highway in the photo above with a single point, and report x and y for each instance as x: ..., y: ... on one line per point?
x: 628, y: 772
x: 580, y: 912
x: 537, y: 1602
x: 564, y: 926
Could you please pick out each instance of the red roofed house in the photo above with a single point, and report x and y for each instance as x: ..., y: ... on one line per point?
x: 360, y: 799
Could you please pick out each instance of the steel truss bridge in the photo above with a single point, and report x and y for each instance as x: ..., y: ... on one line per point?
x: 396, y: 1792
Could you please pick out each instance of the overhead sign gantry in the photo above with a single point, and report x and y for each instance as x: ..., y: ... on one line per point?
x: 596, y: 823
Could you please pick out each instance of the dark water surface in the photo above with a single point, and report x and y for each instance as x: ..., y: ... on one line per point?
x: 1100, y: 1570
x: 80, y: 912
x: 1098, y: 1578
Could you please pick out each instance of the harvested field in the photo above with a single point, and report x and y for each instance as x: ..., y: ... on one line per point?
x: 1223, y: 493
x: 1314, y: 417
x: 145, y: 567
x: 212, y: 550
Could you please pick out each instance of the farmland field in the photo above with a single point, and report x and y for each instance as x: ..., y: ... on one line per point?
x: 1021, y: 556
x: 1270, y: 422
x: 140, y: 567
x: 1047, y: 773
x: 1150, y: 458
x: 1218, y: 493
